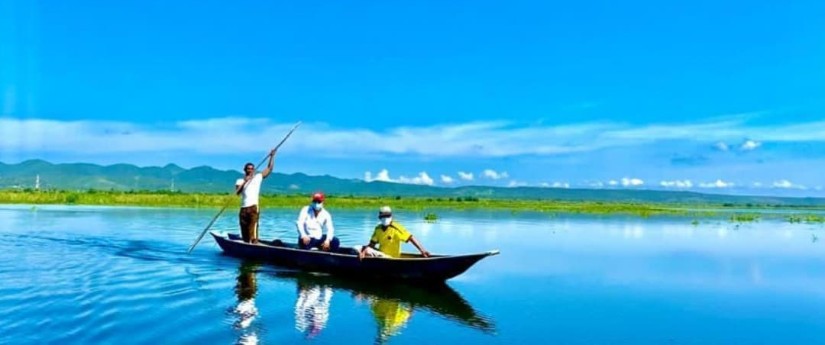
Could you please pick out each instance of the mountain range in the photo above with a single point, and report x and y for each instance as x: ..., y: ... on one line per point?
x: 84, y: 176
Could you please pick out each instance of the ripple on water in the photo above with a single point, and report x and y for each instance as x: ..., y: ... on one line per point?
x: 96, y: 289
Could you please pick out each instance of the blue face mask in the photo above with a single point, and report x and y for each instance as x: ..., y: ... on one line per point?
x: 317, y: 206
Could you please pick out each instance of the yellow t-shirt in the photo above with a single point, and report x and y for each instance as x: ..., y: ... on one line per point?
x: 389, y: 240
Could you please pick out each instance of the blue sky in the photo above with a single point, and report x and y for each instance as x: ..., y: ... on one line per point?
x: 708, y: 96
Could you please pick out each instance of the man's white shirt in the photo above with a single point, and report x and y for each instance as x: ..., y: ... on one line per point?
x: 249, y: 196
x: 311, y: 225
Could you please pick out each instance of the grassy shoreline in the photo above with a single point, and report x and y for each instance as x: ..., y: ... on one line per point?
x: 735, y: 213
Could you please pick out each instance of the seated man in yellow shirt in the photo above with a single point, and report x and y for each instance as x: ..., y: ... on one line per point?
x: 389, y: 235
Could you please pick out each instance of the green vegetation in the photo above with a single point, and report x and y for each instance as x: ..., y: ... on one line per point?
x: 421, y: 204
x: 165, y: 198
x: 806, y: 218
x: 744, y: 218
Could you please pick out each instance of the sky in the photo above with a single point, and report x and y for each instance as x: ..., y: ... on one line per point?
x: 709, y: 96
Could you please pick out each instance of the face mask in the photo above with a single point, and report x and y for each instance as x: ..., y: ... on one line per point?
x: 386, y: 221
x: 317, y: 206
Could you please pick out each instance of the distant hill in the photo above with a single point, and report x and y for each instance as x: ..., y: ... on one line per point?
x: 82, y: 176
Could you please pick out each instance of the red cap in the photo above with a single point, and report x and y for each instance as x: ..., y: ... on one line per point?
x: 318, y: 197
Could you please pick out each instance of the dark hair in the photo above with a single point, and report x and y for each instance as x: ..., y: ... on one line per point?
x: 248, y: 164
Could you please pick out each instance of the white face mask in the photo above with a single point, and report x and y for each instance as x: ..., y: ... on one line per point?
x: 386, y: 221
x: 317, y: 206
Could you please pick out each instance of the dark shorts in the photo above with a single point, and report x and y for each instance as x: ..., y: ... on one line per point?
x: 248, y: 219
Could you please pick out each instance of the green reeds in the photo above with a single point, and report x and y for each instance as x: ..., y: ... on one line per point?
x: 806, y: 218
x: 744, y: 217
x: 425, y: 205
x: 431, y: 217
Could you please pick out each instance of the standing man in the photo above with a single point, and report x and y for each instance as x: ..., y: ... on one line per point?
x: 389, y: 235
x: 310, y: 224
x: 249, y: 188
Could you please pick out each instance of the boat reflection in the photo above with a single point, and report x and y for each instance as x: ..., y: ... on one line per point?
x: 392, y: 305
x: 245, y: 311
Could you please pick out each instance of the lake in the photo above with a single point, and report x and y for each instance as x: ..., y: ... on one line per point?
x: 90, y: 275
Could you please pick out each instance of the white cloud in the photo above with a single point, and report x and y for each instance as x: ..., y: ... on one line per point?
x: 597, y: 184
x: 214, y: 136
x: 239, y: 135
x: 422, y: 178
x: 613, y: 183
x: 555, y: 185
x: 447, y: 179
x: 632, y: 182
x: 782, y: 184
x: 716, y: 184
x: 676, y: 184
x: 514, y: 183
x: 785, y: 184
x: 757, y: 184
x: 750, y: 145
x: 494, y: 175
x: 384, y: 176
x: 721, y: 146
x: 465, y: 176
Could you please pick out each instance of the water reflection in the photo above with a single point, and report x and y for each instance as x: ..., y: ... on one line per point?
x: 392, y: 305
x: 245, y: 311
x: 312, y: 308
x: 391, y: 315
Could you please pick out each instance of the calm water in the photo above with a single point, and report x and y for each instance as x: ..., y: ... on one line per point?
x: 89, y: 275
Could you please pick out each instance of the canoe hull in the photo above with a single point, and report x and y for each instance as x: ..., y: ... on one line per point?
x: 433, y: 269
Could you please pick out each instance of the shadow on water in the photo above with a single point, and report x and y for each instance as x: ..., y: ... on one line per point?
x: 392, y: 304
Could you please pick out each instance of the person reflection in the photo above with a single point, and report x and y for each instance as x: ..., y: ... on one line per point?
x: 245, y: 310
x: 391, y: 315
x: 392, y: 305
x: 312, y: 308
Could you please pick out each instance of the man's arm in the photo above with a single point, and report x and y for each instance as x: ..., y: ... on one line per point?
x: 363, y: 251
x: 269, y: 165
x: 418, y: 245
x: 239, y: 186
x: 330, y: 229
x: 299, y: 224
x: 330, y: 232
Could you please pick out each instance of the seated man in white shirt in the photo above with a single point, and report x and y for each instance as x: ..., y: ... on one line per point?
x: 311, y: 221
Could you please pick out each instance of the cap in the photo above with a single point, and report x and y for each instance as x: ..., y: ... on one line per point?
x: 318, y: 197
x: 384, y: 210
